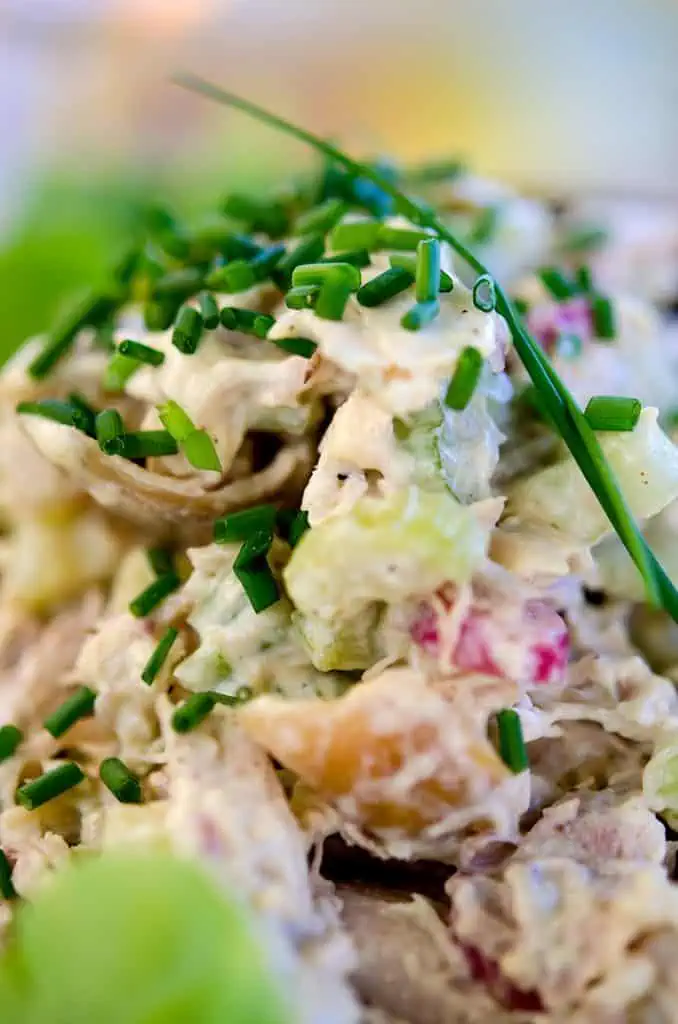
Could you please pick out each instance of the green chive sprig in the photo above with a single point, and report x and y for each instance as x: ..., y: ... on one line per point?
x: 420, y: 315
x: 120, y: 781
x: 209, y: 310
x: 296, y: 346
x: 93, y: 310
x: 357, y: 234
x: 240, y: 526
x: 464, y: 379
x: 320, y: 219
x: 302, y: 297
x: 407, y: 261
x: 142, y: 444
x: 79, y: 705
x: 511, y: 743
x: 603, y: 317
x: 119, y: 370
x: 607, y: 412
x: 384, y: 287
x: 142, y: 353
x: 557, y: 284
x: 193, y: 712
x: 108, y: 427
x: 50, y: 785
x: 179, y: 284
x: 187, y: 330
x: 322, y: 273
x: 57, y: 410
x: 428, y: 270
x: 161, y: 560
x: 160, y: 314
x: 247, y: 321
x: 252, y: 569
x: 308, y: 250
x: 196, y: 444
x: 159, y: 656
x: 485, y: 294
x: 10, y: 738
x: 154, y: 594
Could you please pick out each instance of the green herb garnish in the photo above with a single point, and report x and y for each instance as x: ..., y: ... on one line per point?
x: 142, y: 353
x: 607, y: 412
x: 50, y: 785
x: 239, y: 526
x: 159, y: 656
x: 511, y: 743
x: 385, y: 286
x: 154, y: 594
x: 120, y: 781
x: 192, y: 712
x: 465, y: 379
x: 79, y: 705
x: 10, y: 738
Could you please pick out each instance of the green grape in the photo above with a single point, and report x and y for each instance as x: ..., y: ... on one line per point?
x: 136, y: 939
x: 384, y: 549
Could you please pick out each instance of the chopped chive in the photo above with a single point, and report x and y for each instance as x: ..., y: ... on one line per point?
x: 154, y: 594
x: 356, y: 257
x: 320, y: 273
x: 6, y: 884
x: 484, y: 294
x: 87, y: 413
x: 384, y: 287
x: 298, y: 528
x: 428, y: 270
x: 408, y: 261
x: 142, y: 444
x: 322, y: 218
x: 50, y: 785
x: 355, y: 234
x: 569, y: 346
x: 234, y: 277
x: 175, y: 420
x: 142, y: 353
x: 420, y: 315
x: 407, y: 239
x: 119, y: 370
x: 608, y: 412
x: 252, y: 569
x: 164, y: 229
x: 187, y: 330
x: 511, y: 743
x: 108, y: 426
x: 120, y: 781
x: 56, y: 410
x: 332, y: 299
x: 556, y: 283
x: 296, y: 346
x: 209, y: 311
x: 265, y: 262
x: 604, y: 321
x: 584, y: 278
x: 159, y: 656
x: 159, y: 315
x: 464, y: 379
x: 247, y: 321
x: 302, y: 296
x: 179, y: 284
x: 10, y: 738
x: 199, y: 450
x: 255, y: 547
x: 485, y: 226
x: 193, y: 711
x: 79, y: 705
x: 240, y: 526
x: 268, y: 217
x: 161, y: 560
x: 583, y: 239
x: 91, y: 311
x: 307, y: 251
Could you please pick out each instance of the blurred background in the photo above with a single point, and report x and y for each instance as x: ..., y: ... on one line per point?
x: 555, y: 98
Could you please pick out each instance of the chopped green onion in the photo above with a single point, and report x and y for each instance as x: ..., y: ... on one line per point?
x: 159, y: 315
x: 187, y: 330
x: 265, y: 262
x: 320, y: 273
x: 234, y: 277
x: 209, y: 311
x: 122, y: 783
x: 307, y: 251
x: 6, y: 884
x: 356, y: 257
x: 108, y: 426
x: 604, y: 320
x: 420, y: 315
x: 142, y: 444
x: 355, y: 234
x: 465, y: 379
x: 175, y: 420
x: 332, y: 299
x: 193, y: 711
x: 428, y: 270
x: 322, y: 218
x: 179, y: 284
x: 91, y: 311
x: 50, y: 785
x: 556, y: 283
x: 247, y: 321
x: 199, y: 449
x: 485, y: 226
x: 584, y: 278
x: 142, y: 353
x: 302, y: 296
x: 607, y: 412
x: 154, y: 594
x: 269, y: 218
x: 162, y: 226
x: 78, y: 705
x: 296, y: 346
x: 298, y: 528
x: 407, y: 261
x: 161, y: 560
x: 511, y: 743
x: 10, y: 738
x: 119, y: 370
x: 385, y: 286
x: 569, y: 346
x: 56, y: 410
x: 159, y: 656
x: 252, y: 569
x: 485, y: 294
x: 87, y: 413
x: 407, y: 239
x: 583, y: 239
x: 239, y: 526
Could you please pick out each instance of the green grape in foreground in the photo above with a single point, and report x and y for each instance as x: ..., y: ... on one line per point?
x: 143, y: 939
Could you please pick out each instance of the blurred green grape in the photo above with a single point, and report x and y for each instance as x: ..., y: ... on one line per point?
x: 135, y: 939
